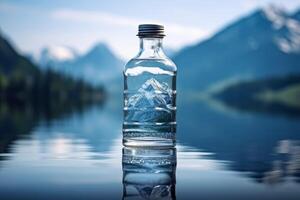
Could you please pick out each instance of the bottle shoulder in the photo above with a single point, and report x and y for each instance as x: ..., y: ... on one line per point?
x: 162, y: 63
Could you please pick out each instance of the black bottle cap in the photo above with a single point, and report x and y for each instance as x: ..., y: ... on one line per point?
x: 151, y: 30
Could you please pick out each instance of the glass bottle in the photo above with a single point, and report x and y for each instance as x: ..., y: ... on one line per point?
x: 150, y: 93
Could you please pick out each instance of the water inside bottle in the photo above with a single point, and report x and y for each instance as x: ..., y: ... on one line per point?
x: 149, y: 106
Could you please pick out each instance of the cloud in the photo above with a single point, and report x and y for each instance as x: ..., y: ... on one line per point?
x: 123, y: 21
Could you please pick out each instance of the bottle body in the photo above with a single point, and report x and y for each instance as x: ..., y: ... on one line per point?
x: 149, y: 100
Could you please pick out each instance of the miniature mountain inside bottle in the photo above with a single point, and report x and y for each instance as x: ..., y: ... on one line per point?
x: 150, y: 93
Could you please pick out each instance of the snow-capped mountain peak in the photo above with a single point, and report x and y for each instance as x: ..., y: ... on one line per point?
x: 286, y: 33
x: 152, y: 85
x: 290, y: 41
x: 52, y: 54
x: 152, y: 96
x: 62, y: 53
x: 276, y: 15
x: 266, y: 42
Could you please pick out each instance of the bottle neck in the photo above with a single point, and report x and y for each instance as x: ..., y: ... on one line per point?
x: 151, y: 48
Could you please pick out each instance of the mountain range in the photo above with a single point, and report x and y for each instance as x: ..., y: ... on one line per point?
x: 97, y: 66
x: 23, y: 84
x: 263, y: 44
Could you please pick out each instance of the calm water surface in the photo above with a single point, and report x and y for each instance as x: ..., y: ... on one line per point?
x: 221, y: 154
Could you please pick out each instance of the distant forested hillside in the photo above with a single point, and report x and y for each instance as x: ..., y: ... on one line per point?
x: 276, y: 95
x: 23, y: 82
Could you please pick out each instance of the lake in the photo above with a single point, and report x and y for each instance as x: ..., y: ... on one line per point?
x: 221, y: 153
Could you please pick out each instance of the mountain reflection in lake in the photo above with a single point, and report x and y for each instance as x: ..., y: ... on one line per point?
x: 221, y: 154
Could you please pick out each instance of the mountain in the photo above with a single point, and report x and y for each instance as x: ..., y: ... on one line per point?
x: 152, y: 102
x: 296, y: 15
x: 98, y: 65
x: 22, y: 82
x: 12, y: 64
x: 53, y: 55
x: 263, y: 44
x: 170, y: 52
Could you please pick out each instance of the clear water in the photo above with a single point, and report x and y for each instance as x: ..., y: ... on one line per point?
x: 149, y: 107
x: 221, y: 154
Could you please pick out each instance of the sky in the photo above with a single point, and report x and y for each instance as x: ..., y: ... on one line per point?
x: 34, y: 24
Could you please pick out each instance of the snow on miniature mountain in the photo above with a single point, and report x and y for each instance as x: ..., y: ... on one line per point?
x: 151, y: 103
x: 153, y: 85
x: 152, y: 94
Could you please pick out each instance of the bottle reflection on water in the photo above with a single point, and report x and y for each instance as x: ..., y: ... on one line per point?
x: 149, y: 173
